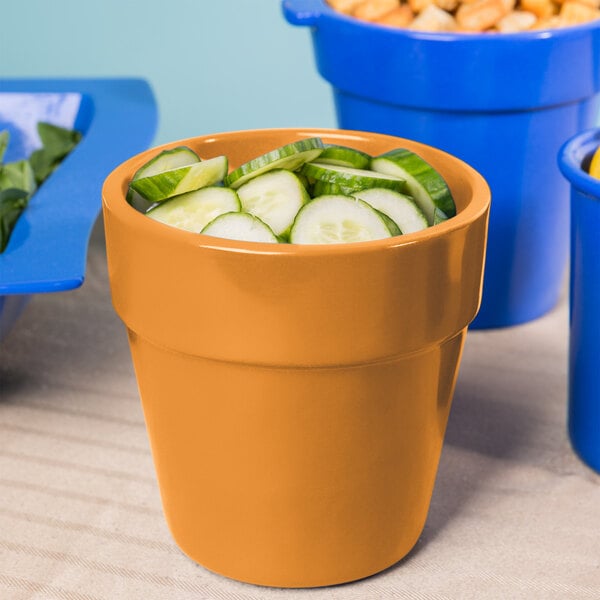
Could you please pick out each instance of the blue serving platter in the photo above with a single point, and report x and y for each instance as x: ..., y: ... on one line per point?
x: 48, y: 248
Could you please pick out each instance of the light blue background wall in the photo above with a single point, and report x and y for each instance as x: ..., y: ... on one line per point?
x: 215, y: 65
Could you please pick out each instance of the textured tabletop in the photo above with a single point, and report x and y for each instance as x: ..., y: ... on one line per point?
x: 514, y: 513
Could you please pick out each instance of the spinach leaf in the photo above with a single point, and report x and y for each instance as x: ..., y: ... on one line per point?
x: 12, y: 204
x: 19, y: 175
x: 57, y: 142
x: 3, y: 144
x: 19, y: 179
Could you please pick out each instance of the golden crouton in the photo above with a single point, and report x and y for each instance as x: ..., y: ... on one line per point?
x: 433, y: 18
x: 418, y: 6
x: 500, y: 16
x: 371, y: 10
x: 576, y: 12
x: 399, y: 17
x: 447, y: 5
x: 542, y: 9
x: 516, y: 20
x: 345, y: 6
x: 481, y: 15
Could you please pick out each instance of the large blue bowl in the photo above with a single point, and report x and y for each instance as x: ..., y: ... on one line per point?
x: 584, y: 322
x: 48, y: 248
x: 504, y: 103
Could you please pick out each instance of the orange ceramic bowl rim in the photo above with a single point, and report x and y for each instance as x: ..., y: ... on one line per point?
x: 116, y: 184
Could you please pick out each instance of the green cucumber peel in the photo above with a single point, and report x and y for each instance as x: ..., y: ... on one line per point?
x: 439, y: 216
x: 351, y: 178
x: 389, y: 223
x: 181, y: 156
x: 424, y: 183
x: 173, y: 182
x: 325, y: 188
x: 291, y: 157
x: 344, y: 156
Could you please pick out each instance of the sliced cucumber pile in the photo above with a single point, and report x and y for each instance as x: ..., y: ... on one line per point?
x: 305, y: 192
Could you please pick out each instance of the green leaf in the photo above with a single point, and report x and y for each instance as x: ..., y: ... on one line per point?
x: 12, y: 204
x: 19, y: 175
x: 57, y: 141
x: 4, y: 137
x: 43, y: 163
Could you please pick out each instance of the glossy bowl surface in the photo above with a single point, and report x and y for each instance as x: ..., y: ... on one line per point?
x: 48, y: 247
x: 584, y: 338
x: 296, y: 397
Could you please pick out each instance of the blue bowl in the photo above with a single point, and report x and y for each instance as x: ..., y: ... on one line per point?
x: 48, y: 247
x: 584, y: 317
x: 504, y: 103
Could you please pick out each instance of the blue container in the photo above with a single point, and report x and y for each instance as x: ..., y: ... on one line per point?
x: 503, y: 103
x: 584, y: 339
x: 47, y: 250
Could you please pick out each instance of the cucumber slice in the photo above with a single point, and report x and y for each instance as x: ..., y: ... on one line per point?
x: 439, y: 216
x: 400, y: 208
x: 290, y: 157
x: 138, y: 202
x: 389, y: 223
x: 181, y: 180
x: 274, y: 197
x: 337, y: 220
x: 182, y: 156
x: 350, y: 178
x: 325, y: 188
x: 194, y: 210
x: 345, y: 157
x: 303, y: 180
x: 240, y: 226
x: 424, y: 183
x: 163, y: 161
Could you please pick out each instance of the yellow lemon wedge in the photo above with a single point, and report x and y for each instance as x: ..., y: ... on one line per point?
x: 595, y: 164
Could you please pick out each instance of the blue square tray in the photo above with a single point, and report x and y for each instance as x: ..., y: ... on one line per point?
x: 48, y: 248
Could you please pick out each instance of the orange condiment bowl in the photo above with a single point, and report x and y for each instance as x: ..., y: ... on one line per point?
x: 296, y: 397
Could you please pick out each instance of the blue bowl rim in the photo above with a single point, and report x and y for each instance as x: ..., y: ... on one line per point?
x: 322, y: 8
x: 570, y: 161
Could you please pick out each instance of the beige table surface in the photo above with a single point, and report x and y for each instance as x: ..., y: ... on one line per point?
x: 514, y: 513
